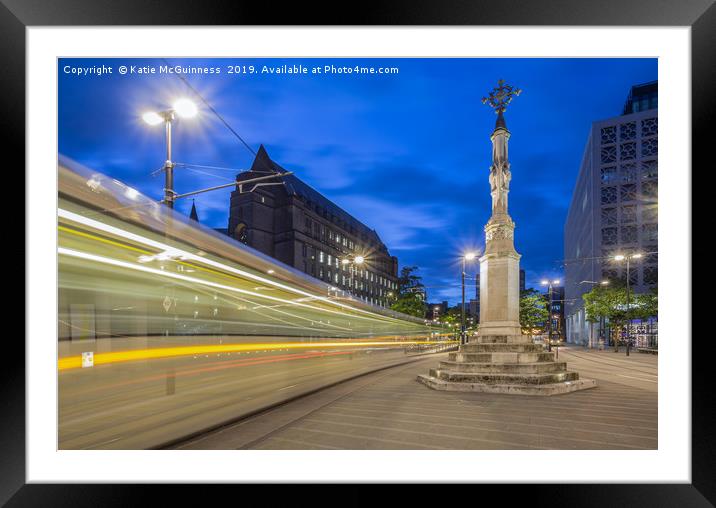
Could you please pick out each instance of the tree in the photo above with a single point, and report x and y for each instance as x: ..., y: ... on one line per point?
x: 533, y: 311
x: 609, y: 302
x: 411, y: 292
x: 411, y: 304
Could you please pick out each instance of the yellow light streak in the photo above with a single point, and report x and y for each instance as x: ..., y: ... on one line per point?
x: 75, y: 362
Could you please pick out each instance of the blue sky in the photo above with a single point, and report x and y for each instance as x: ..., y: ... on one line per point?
x: 407, y: 154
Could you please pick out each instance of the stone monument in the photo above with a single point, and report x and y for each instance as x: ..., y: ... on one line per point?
x: 501, y: 359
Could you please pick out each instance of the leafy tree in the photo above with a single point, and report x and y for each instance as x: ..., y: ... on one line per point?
x: 411, y: 304
x: 411, y: 291
x: 533, y: 311
x: 609, y: 302
x: 409, y: 281
x: 646, y: 305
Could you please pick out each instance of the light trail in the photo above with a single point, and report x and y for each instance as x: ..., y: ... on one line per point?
x: 182, y: 254
x: 75, y: 362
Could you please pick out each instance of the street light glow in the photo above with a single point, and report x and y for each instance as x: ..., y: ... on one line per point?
x: 152, y: 118
x: 470, y: 256
x: 359, y: 260
x: 556, y: 281
x: 345, y: 261
x: 619, y: 257
x: 185, y: 108
x: 604, y: 282
x: 636, y: 256
x: 545, y: 282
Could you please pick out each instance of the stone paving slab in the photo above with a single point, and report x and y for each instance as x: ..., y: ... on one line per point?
x: 390, y: 410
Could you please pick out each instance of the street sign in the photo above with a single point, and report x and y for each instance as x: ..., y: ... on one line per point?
x: 167, y: 303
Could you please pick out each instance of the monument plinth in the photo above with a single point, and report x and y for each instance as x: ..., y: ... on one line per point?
x: 501, y: 359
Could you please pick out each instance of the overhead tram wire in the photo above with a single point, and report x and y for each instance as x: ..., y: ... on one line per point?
x: 221, y: 118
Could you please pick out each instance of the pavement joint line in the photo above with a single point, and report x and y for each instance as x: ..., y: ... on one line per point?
x: 583, y: 412
x: 292, y: 422
x: 620, y: 363
x: 511, y: 422
x: 255, y: 415
x: 535, y: 434
x: 554, y: 404
x: 422, y: 445
x: 327, y: 447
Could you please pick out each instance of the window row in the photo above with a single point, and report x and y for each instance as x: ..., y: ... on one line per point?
x: 628, y: 151
x: 614, y: 235
x: 649, y: 275
x: 649, y: 213
x: 628, y: 192
x: 627, y: 131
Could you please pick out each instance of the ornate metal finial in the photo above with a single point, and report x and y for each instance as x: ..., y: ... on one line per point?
x: 501, y: 96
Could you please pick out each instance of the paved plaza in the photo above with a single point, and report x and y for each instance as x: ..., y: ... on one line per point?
x: 390, y: 410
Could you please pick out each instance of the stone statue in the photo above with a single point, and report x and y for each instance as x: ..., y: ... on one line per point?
x: 500, y: 174
x: 500, y: 177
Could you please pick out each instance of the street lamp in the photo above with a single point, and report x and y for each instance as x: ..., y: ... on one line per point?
x: 468, y: 256
x: 549, y: 283
x: 183, y: 108
x: 627, y: 257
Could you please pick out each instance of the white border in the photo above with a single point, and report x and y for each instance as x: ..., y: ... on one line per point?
x: 670, y: 463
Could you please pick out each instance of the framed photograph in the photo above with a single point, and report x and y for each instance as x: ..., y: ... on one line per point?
x: 400, y: 252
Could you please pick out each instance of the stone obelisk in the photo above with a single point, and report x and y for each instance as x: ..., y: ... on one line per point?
x: 500, y: 359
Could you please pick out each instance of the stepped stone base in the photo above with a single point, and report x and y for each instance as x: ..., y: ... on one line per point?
x: 504, y: 364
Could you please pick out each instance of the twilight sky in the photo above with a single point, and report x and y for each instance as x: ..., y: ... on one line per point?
x: 407, y: 154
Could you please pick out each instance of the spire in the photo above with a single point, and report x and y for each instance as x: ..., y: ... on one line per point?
x: 193, y: 215
x: 262, y: 162
x: 500, y: 123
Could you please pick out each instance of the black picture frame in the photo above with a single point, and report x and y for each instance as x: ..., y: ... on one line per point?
x: 17, y: 15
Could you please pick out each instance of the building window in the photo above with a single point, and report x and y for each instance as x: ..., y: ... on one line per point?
x: 609, y: 135
x: 650, y: 233
x: 304, y: 249
x: 649, y: 169
x: 609, y: 236
x: 308, y: 225
x: 609, y: 195
x: 609, y: 175
x: 627, y: 151
x: 651, y: 275
x: 649, y: 147
x: 649, y: 127
x: 609, y: 216
x: 628, y: 214
x: 320, y: 256
x: 628, y: 192
x: 627, y: 131
x: 629, y: 234
x: 609, y: 154
x: 609, y: 274
x: 628, y: 172
x: 649, y: 213
x: 650, y: 190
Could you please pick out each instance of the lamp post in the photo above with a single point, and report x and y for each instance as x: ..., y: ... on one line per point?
x: 549, y: 301
x: 468, y: 256
x: 183, y: 108
x: 627, y: 257
x: 351, y: 261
